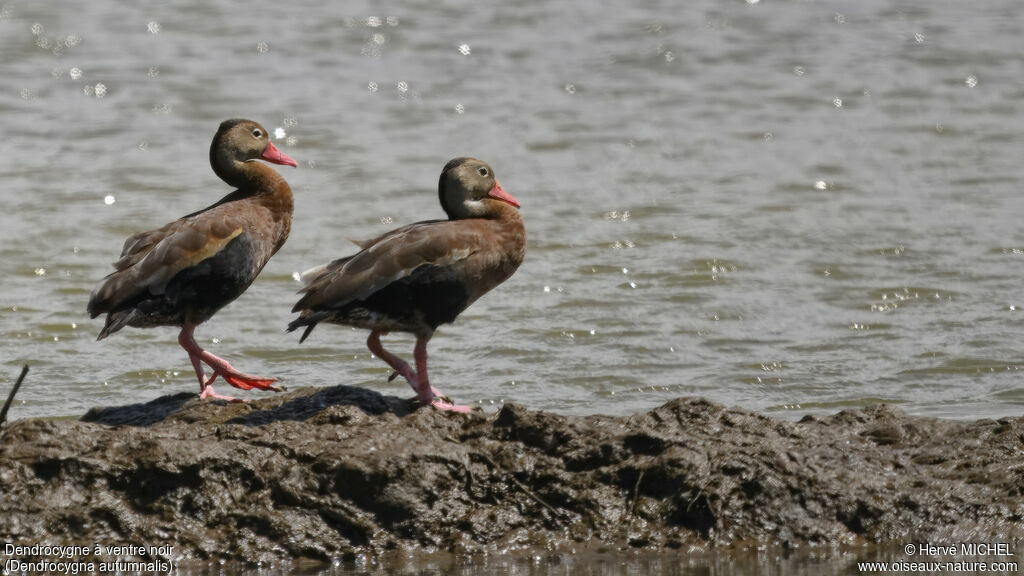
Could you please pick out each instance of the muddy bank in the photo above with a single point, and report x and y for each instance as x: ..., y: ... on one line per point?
x: 330, y: 473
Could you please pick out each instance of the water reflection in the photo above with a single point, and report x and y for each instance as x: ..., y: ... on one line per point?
x: 753, y: 561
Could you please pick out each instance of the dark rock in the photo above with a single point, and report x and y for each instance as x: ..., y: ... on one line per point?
x: 329, y: 473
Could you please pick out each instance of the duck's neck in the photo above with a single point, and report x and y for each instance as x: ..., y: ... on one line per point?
x: 510, y: 231
x: 504, y: 211
x: 254, y: 179
x: 485, y: 209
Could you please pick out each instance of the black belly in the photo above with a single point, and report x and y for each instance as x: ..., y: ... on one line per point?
x: 429, y: 297
x: 198, y: 292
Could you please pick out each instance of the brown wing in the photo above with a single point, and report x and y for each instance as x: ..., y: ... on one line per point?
x: 386, y: 259
x: 150, y: 259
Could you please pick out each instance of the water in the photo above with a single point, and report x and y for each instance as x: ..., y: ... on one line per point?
x: 762, y: 561
x: 792, y: 207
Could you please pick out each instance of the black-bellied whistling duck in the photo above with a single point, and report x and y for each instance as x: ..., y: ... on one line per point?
x: 183, y: 273
x: 420, y: 276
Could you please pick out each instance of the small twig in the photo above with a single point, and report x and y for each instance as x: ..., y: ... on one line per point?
x: 536, y: 498
x: 694, y: 499
x: 636, y: 497
x: 554, y: 511
x: 636, y: 493
x: 10, y: 397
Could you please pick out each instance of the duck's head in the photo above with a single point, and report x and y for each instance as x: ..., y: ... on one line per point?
x: 468, y: 188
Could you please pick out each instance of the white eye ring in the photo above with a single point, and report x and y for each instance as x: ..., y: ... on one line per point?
x: 257, y: 133
x: 483, y: 171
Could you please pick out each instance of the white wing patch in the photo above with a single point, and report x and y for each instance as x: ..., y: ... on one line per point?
x: 309, y: 275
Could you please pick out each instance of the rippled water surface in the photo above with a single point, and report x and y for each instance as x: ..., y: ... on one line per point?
x: 788, y: 206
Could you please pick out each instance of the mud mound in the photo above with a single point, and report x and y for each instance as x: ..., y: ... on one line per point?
x: 329, y: 473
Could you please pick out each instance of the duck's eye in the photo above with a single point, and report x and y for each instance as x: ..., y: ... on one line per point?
x: 483, y: 171
x: 257, y: 133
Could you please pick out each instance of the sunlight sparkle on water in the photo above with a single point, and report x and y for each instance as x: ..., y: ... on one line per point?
x: 279, y: 133
x: 460, y: 109
x: 109, y: 199
x: 153, y: 27
x: 971, y: 81
x: 464, y: 49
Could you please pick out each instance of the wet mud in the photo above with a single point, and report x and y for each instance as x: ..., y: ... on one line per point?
x: 329, y: 474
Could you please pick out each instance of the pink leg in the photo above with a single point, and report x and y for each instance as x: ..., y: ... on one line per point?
x: 220, y: 368
x: 439, y: 401
x: 206, y: 386
x: 396, y: 363
x: 416, y: 378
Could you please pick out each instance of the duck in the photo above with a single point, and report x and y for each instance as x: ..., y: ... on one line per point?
x: 182, y: 273
x: 422, y: 275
